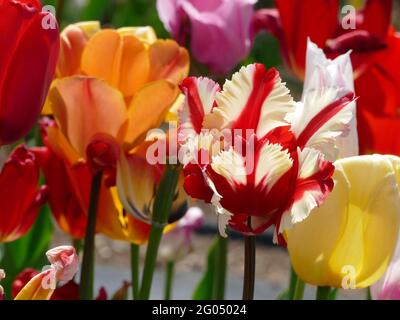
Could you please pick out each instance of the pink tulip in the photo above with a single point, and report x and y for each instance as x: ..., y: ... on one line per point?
x: 219, y: 30
x: 388, y: 287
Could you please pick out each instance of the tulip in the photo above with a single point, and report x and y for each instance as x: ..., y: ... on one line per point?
x: 337, y: 244
x: 72, y: 98
x: 137, y: 182
x: 64, y: 265
x: 375, y: 45
x: 19, y: 176
x: 28, y: 60
x: 177, y: 243
x: 68, y: 194
x: 118, y: 102
x: 127, y: 58
x: 284, y: 171
x: 68, y: 291
x: 336, y: 74
x: 388, y: 287
x: 218, y: 25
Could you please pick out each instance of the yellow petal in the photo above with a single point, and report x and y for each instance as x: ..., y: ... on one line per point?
x: 168, y: 61
x: 355, y: 229
x: 136, y: 183
x: 34, y: 289
x: 145, y: 34
x: 121, y: 60
x: 174, y: 110
x: 89, y: 28
x: 85, y: 107
x: 112, y: 221
x: 148, y: 109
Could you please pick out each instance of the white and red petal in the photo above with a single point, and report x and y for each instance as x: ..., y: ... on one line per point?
x: 320, y: 119
x: 325, y: 118
x: 195, y: 185
x: 314, y: 183
x: 199, y: 101
x: 272, y: 164
x: 254, y: 99
x: 231, y: 166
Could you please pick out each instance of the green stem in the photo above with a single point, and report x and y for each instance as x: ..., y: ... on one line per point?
x: 323, y: 293
x: 249, y: 267
x: 369, y: 295
x: 169, y: 276
x: 221, y: 255
x: 161, y: 210
x: 135, y: 250
x: 299, y: 290
x: 77, y: 244
x: 292, y: 285
x: 87, y: 269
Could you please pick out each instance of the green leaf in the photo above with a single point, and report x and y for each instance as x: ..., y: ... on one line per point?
x: 283, y: 295
x: 28, y: 251
x: 204, y: 289
x: 96, y: 10
x: 333, y: 293
x: 138, y: 13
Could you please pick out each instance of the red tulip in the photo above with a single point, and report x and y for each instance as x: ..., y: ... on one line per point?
x: 29, y: 46
x: 20, y: 196
x: 375, y: 55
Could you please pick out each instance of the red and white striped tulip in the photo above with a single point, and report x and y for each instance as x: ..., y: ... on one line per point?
x: 279, y: 166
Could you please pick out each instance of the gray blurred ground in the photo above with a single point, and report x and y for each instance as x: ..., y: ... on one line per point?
x: 272, y: 269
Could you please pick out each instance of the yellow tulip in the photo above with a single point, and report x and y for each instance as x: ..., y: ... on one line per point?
x: 349, y: 241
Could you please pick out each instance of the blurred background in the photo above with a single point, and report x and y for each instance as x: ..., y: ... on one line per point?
x: 113, y: 257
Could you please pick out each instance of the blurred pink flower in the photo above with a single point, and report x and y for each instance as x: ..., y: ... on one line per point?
x: 178, y: 242
x: 218, y: 30
x: 388, y: 287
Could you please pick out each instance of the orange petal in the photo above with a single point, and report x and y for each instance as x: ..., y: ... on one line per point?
x: 121, y: 60
x: 85, y: 107
x: 168, y: 61
x: 60, y: 145
x: 73, y: 41
x: 148, y: 109
x: 114, y: 223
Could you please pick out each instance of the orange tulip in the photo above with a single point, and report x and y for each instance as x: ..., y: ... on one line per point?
x: 126, y: 73
x: 69, y: 188
x: 113, y: 86
x: 127, y: 58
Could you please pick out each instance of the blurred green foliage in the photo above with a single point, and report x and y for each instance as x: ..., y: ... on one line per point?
x: 28, y: 251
